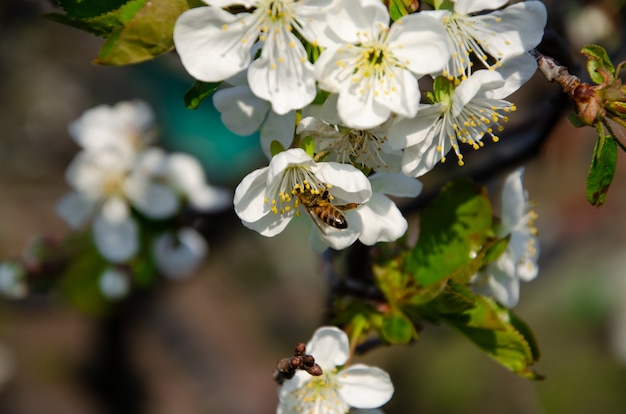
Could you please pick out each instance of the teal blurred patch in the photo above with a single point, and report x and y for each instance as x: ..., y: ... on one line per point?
x: 226, y: 157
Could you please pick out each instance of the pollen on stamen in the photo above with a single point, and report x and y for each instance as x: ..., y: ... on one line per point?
x: 273, y: 66
x: 224, y: 27
x: 495, y: 138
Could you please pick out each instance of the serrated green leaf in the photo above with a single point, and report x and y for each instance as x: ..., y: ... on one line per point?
x: 146, y: 31
x: 397, y: 328
x: 598, y: 61
x: 198, y: 92
x: 454, y: 299
x: 85, y: 9
x: 454, y: 228
x: 602, y: 169
x: 490, y: 327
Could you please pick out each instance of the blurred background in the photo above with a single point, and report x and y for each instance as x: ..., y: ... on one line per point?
x: 209, y: 344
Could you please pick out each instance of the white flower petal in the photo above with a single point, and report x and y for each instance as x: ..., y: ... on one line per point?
x: 348, y: 183
x: 473, y: 6
x: 250, y: 196
x: 516, y: 71
x: 209, y: 42
x: 479, y: 81
x: 114, y: 283
x: 362, y: 386
x: 421, y: 39
x: 350, y: 26
x: 513, y: 30
x: 283, y: 75
x: 412, y: 131
x: 277, y: 128
x: 335, y: 238
x: 399, y: 185
x: 115, y: 209
x: 117, y: 241
x: 177, y: 259
x: 155, y: 200
x: 382, y: 220
x: 241, y: 110
x: 75, y: 209
x: 513, y: 199
x: 329, y: 346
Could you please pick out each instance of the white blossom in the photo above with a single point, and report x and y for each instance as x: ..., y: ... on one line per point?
x: 339, y: 387
x: 474, y: 109
x: 127, y: 126
x: 367, y: 147
x: 375, y: 67
x: 214, y: 45
x: 267, y: 199
x: 112, y: 179
x: 501, y: 278
x: 492, y: 37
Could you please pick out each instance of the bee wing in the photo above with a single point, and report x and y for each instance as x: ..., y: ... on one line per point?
x: 318, y: 222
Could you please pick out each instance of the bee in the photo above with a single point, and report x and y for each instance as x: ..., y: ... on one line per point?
x: 323, y: 211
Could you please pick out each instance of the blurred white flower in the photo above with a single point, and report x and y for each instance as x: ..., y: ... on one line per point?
x: 12, y: 283
x: 374, y: 68
x: 338, y: 388
x: 501, y: 278
x: 111, y: 180
x: 127, y: 126
x: 177, y: 257
x: 267, y: 199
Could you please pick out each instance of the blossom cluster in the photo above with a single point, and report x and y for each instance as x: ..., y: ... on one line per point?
x: 342, y: 75
x: 118, y: 180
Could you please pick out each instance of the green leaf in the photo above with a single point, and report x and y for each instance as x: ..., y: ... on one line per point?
x: 80, y: 282
x: 145, y: 31
x: 499, y: 333
x: 397, y: 328
x: 308, y: 145
x: 496, y: 249
x: 276, y: 148
x: 198, y: 92
x: 602, y: 169
x: 454, y: 299
x: 443, y: 89
x: 454, y: 228
x: 101, y: 26
x: 397, y: 9
x: 85, y: 9
x: 575, y: 120
x: 598, y: 59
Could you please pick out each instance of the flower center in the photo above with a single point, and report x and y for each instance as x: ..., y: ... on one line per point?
x: 320, y: 395
x: 113, y: 184
x: 479, y: 117
x: 361, y: 146
x: 295, y: 179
